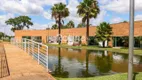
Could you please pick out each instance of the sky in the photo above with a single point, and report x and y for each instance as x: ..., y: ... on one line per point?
x: 111, y: 11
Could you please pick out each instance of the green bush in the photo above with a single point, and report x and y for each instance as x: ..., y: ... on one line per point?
x: 92, y: 41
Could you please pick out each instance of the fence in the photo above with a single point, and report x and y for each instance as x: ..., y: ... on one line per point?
x: 37, y: 50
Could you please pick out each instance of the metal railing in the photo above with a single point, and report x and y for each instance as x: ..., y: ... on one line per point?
x: 37, y: 50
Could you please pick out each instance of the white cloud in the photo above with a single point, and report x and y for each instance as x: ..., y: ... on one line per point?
x: 103, y: 1
x: 26, y: 6
x: 122, y: 6
x: 46, y: 2
x: 99, y: 19
x: 3, y: 27
x: 138, y: 17
x: 73, y: 11
x: 47, y: 15
x: 37, y: 26
x: 20, y: 7
x: 75, y: 17
x: 116, y: 20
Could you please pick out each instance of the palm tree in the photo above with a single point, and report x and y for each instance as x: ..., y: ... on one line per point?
x: 59, y: 11
x: 88, y: 9
x: 70, y: 24
x: 103, y: 32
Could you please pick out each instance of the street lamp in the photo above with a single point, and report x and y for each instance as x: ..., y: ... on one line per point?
x: 131, y: 41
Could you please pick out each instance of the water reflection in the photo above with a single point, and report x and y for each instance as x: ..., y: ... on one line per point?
x: 103, y: 62
x: 85, y: 73
x: 59, y: 70
x: 65, y: 62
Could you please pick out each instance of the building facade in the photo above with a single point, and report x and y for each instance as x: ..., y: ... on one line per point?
x: 119, y: 37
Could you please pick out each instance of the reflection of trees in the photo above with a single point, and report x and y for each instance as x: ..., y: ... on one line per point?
x: 140, y: 60
x: 104, y: 62
x: 125, y: 56
x: 85, y: 72
x: 59, y: 70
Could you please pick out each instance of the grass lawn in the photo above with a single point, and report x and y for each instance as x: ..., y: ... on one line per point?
x: 121, y: 50
x: 109, y: 77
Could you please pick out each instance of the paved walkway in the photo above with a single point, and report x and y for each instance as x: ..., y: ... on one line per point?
x: 23, y: 67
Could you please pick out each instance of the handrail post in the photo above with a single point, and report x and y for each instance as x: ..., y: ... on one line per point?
x: 21, y: 44
x: 25, y: 45
x: 11, y: 41
x: 47, y: 58
x: 17, y: 43
x: 14, y: 42
x: 38, y: 53
x: 28, y: 46
x: 33, y: 49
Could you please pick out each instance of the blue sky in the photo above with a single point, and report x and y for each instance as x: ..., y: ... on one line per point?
x: 112, y: 11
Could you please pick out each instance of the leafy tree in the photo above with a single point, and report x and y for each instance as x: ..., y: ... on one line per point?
x: 80, y: 25
x: 59, y: 11
x: 88, y: 9
x: 70, y: 24
x: 103, y: 32
x: 1, y: 35
x: 54, y: 26
x: 47, y: 28
x: 19, y: 23
x: 125, y: 21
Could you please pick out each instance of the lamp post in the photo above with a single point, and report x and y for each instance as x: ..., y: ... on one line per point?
x: 131, y: 41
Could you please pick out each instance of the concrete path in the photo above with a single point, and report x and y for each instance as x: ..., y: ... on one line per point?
x: 23, y: 67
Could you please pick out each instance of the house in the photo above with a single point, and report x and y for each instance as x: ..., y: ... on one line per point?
x: 69, y: 36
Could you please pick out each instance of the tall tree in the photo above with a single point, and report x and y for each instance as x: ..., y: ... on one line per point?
x: 1, y: 35
x: 55, y: 26
x: 70, y: 24
x: 59, y: 11
x: 80, y: 25
x: 103, y: 32
x: 18, y: 23
x: 88, y: 9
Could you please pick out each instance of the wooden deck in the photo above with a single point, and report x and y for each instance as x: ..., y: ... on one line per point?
x: 23, y: 67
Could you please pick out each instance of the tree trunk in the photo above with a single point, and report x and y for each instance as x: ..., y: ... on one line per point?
x: 103, y: 44
x: 87, y: 63
x: 59, y: 60
x: 87, y: 28
x: 59, y: 34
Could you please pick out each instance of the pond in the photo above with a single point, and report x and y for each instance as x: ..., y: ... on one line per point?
x: 66, y: 62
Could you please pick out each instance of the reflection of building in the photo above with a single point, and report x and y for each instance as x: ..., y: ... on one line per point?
x: 120, y: 34
x: 94, y: 61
